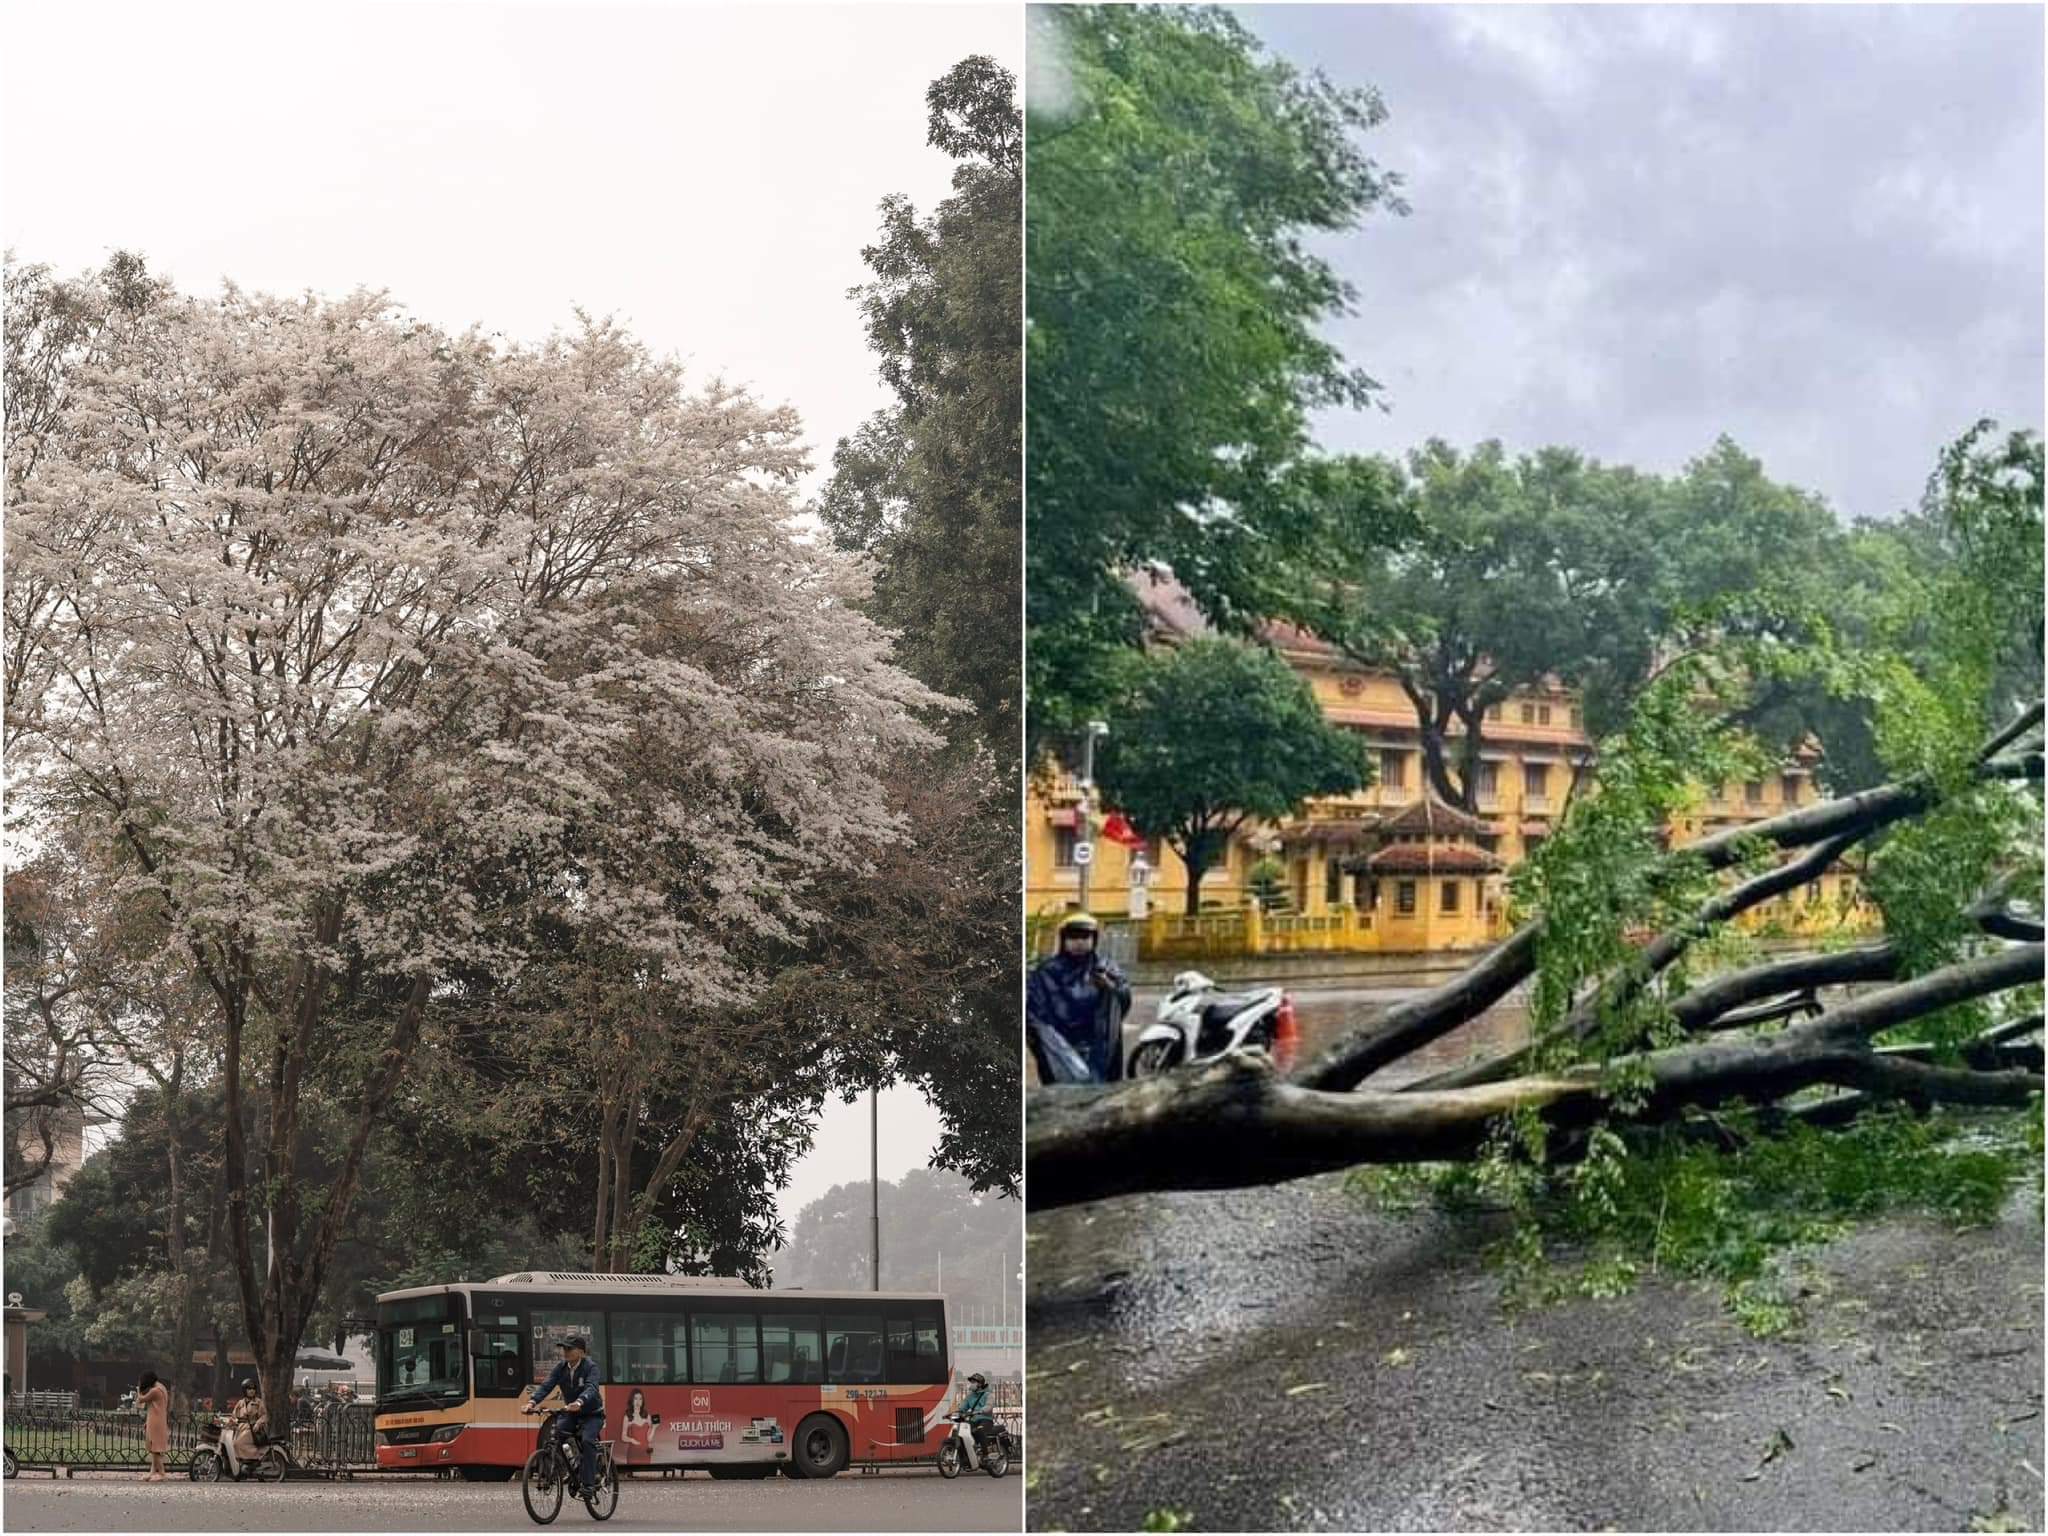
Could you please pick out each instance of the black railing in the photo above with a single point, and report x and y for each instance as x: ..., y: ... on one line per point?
x: 342, y: 1441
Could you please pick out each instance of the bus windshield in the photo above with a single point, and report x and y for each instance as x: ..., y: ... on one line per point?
x: 420, y: 1354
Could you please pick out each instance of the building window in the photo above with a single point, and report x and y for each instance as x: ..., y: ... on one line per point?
x: 1578, y: 718
x: 1063, y: 847
x: 1536, y: 780
x: 1493, y: 711
x: 1528, y: 714
x: 1489, y: 781
x: 1450, y: 896
x: 1404, y: 897
x: 1333, y: 882
x: 1753, y: 791
x: 1788, y: 788
x: 1394, y: 769
x: 1543, y: 714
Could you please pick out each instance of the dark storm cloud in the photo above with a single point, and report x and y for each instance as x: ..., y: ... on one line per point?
x: 1818, y: 229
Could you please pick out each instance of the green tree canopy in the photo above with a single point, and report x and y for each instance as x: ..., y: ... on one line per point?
x: 932, y: 485
x: 1547, y: 566
x: 1216, y: 733
x: 1172, y: 312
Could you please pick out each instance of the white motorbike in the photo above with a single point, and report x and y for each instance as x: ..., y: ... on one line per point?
x: 1198, y: 1021
x: 959, y: 1450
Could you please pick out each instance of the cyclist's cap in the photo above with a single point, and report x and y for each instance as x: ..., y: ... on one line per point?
x: 573, y: 1344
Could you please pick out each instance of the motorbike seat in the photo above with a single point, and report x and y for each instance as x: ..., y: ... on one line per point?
x: 1220, y: 1010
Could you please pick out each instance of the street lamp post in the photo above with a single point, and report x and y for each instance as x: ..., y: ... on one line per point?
x: 1084, y: 813
x: 875, y: 1179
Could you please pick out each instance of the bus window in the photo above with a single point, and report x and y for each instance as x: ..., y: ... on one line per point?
x: 550, y: 1328
x: 725, y: 1347
x: 650, y: 1347
x: 931, y: 1348
x: 914, y: 1355
x: 853, y: 1348
x: 789, y: 1347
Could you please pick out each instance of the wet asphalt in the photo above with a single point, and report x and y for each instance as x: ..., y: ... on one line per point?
x: 1291, y: 1359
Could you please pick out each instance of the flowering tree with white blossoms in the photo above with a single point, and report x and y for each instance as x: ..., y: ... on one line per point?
x: 378, y: 656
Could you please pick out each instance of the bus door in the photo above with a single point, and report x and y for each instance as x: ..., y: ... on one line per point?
x: 497, y: 1345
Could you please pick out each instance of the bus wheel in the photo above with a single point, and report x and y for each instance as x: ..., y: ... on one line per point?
x: 820, y: 1446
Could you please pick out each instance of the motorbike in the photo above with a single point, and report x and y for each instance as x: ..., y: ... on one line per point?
x: 1198, y: 1021
x: 992, y: 1457
x: 210, y: 1463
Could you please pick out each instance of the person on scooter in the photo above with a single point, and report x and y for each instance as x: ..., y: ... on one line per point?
x: 245, y: 1422
x: 583, y: 1400
x: 1079, y: 998
x: 981, y: 1419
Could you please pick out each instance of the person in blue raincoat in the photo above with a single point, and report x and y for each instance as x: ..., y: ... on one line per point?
x: 1074, y: 1008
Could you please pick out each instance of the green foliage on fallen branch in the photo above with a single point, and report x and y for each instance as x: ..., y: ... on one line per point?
x: 1664, y: 1200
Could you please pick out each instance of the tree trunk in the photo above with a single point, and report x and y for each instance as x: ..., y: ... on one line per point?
x: 181, y: 1265
x: 1234, y: 1123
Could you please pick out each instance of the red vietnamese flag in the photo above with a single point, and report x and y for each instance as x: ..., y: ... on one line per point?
x: 1118, y: 830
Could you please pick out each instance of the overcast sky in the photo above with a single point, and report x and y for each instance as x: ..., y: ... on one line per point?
x: 1815, y: 228
x: 707, y: 173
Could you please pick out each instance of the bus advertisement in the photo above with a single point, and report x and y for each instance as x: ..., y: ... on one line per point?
x: 697, y: 1373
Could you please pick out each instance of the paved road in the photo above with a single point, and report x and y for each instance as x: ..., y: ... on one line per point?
x: 1293, y: 1359
x: 905, y: 1501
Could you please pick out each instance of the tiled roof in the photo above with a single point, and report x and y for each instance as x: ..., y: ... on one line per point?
x: 1430, y: 817
x: 1433, y: 859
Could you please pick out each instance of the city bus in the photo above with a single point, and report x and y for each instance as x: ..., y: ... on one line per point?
x: 697, y: 1373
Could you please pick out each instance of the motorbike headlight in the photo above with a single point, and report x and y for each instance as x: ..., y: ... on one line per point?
x: 446, y: 1433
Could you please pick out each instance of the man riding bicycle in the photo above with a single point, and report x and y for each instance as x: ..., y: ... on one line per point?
x: 582, y: 1400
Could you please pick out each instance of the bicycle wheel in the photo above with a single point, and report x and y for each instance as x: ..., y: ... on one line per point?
x: 541, y: 1487
x: 604, y: 1503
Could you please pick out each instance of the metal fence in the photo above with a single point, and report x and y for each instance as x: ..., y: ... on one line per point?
x: 341, y: 1442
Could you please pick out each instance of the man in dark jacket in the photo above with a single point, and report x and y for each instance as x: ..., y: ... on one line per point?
x: 583, y: 1400
x: 1078, y: 999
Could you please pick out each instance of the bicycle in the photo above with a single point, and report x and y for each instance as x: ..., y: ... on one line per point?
x: 552, y: 1468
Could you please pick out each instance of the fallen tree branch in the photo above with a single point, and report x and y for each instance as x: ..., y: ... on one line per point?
x: 1409, y: 1025
x: 1234, y: 1123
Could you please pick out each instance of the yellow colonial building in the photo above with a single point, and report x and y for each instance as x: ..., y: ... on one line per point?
x: 1390, y: 868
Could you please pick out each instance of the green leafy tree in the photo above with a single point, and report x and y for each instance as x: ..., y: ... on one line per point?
x: 1550, y: 566
x: 1173, y: 348
x: 932, y: 485
x: 913, y: 974
x: 1217, y: 733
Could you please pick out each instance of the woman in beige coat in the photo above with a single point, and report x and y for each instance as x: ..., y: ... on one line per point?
x: 155, y: 1402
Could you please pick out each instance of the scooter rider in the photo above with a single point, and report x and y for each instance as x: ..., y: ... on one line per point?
x: 981, y: 1420
x: 1079, y: 998
x: 576, y: 1374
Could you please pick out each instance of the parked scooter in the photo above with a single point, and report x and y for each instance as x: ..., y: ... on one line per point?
x: 211, y: 1463
x: 1198, y: 1021
x: 992, y: 1457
